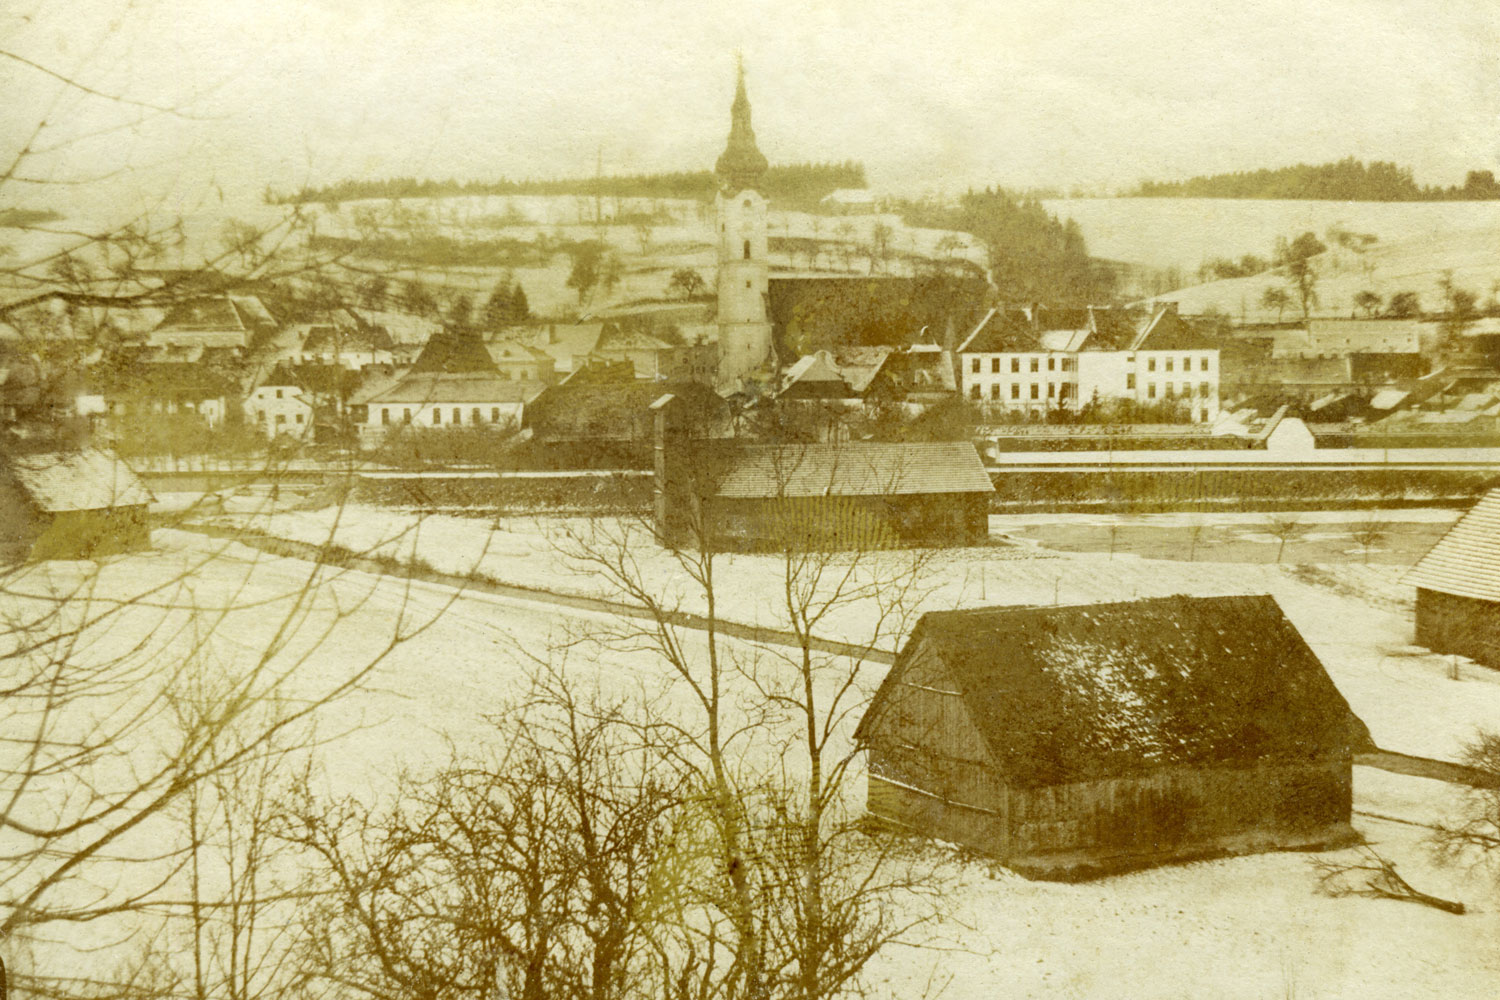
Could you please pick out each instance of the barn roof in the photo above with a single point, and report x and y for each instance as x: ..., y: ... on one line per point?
x: 58, y: 482
x: 1465, y: 561
x: 1081, y: 693
x: 815, y: 470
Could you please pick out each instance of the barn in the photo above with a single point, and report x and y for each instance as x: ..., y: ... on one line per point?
x: 747, y: 497
x: 1458, y: 586
x: 71, y: 505
x: 1070, y: 742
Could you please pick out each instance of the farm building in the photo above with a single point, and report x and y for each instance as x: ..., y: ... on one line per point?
x: 1458, y: 586
x: 1077, y: 741
x: 748, y: 497
x: 73, y: 505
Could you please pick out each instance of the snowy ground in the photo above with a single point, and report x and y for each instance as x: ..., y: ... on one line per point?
x: 1243, y: 928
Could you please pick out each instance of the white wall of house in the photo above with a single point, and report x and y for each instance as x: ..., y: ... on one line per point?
x: 279, y: 409
x: 353, y: 360
x: 1036, y: 382
x: 386, y: 417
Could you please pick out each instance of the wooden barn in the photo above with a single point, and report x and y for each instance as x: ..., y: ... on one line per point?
x: 843, y: 496
x: 1077, y: 741
x: 70, y: 505
x: 1458, y: 586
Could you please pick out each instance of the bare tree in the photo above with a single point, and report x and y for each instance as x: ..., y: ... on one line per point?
x: 1477, y: 836
x: 1285, y: 528
x: 1375, y: 876
x: 1369, y: 533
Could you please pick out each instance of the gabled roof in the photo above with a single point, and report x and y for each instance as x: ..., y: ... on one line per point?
x: 512, y: 351
x: 816, y: 470
x: 454, y: 352
x: 1167, y: 331
x: 815, y: 367
x: 1095, y: 691
x: 90, y: 479
x: 859, y: 365
x: 1001, y: 332
x: 1465, y: 562
x: 334, y: 336
x: 1110, y: 329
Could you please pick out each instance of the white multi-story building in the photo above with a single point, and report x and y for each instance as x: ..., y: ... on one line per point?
x: 1036, y: 360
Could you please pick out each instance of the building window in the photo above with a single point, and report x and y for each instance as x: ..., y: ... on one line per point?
x: 1015, y: 364
x: 974, y: 392
x: 385, y: 414
x: 1036, y: 364
x: 994, y: 390
x: 974, y: 366
x: 494, y: 414
x: 1051, y: 390
x: 1130, y: 380
x: 299, y: 418
x: 437, y: 416
x: 1036, y: 391
x: 994, y: 365
x: 1203, y: 364
x: 1187, y: 364
x: 278, y: 393
x: 747, y: 203
x: 1167, y: 390
x: 474, y: 416
x: 1203, y: 389
x: 1169, y: 364
x: 1015, y: 390
x: 747, y: 251
x: 1067, y: 364
x: 458, y: 415
x: 747, y: 284
x: 1187, y: 390
x: 1151, y: 364
x: 1052, y: 364
x: 280, y: 418
x: 1150, y: 390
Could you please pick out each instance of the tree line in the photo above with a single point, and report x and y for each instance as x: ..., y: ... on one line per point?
x: 793, y: 184
x: 1348, y: 179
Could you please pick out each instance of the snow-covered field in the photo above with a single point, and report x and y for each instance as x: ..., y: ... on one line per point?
x: 1247, y: 928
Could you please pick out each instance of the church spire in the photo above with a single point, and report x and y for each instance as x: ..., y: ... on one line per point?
x: 742, y: 164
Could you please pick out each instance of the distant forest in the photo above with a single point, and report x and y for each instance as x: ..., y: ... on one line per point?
x: 1347, y: 180
x: 1033, y: 255
x: 793, y: 185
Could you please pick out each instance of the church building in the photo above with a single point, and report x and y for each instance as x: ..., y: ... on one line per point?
x: 744, y: 256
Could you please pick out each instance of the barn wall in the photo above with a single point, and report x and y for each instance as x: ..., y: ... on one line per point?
x: 1170, y: 809
x: 1463, y: 625
x: 850, y: 523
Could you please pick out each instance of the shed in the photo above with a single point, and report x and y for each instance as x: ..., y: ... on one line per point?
x: 71, y: 505
x: 1076, y: 741
x: 1458, y: 586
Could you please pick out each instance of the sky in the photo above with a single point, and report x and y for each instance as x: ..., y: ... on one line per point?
x: 929, y: 96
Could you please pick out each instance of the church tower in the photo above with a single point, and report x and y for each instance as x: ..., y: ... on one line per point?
x: 744, y: 266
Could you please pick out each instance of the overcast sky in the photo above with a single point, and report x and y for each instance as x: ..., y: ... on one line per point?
x: 927, y: 95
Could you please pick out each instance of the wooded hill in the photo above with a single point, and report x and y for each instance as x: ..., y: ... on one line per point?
x: 1346, y: 180
x: 792, y: 185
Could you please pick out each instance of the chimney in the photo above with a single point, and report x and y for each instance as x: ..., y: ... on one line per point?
x: 552, y: 333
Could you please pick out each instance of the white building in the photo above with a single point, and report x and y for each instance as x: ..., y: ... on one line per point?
x: 743, y: 249
x: 1036, y: 360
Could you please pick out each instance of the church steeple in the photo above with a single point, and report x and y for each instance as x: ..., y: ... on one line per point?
x: 742, y: 164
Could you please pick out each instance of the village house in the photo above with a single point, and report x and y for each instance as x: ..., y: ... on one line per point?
x: 520, y: 362
x: 189, y: 381
x: 841, y: 496
x: 235, y: 321
x: 1458, y: 586
x: 1038, y: 360
x: 454, y: 383
x: 1328, y: 338
x: 339, y: 338
x: 1075, y: 741
x: 305, y: 401
x: 70, y: 505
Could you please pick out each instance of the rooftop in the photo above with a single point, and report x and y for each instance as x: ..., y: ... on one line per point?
x: 874, y: 469
x: 1465, y: 562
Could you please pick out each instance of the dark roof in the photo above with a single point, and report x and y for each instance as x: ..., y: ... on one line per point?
x: 338, y: 337
x: 1001, y: 332
x: 742, y: 164
x: 608, y: 407
x: 864, y: 469
x: 1110, y: 330
x: 1080, y: 693
x: 89, y: 479
x: 1465, y: 561
x: 1055, y: 318
x: 1167, y: 331
x: 455, y: 352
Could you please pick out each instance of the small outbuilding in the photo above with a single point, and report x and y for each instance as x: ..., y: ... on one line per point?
x: 1458, y: 586
x: 1071, y: 742
x: 71, y: 505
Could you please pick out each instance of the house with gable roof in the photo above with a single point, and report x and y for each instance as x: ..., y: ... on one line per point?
x: 1458, y: 586
x: 1070, y: 742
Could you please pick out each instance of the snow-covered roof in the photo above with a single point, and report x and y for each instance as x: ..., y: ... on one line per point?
x: 1465, y: 562
x: 879, y: 469
x: 90, y: 479
x: 1096, y: 691
x: 1388, y: 399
